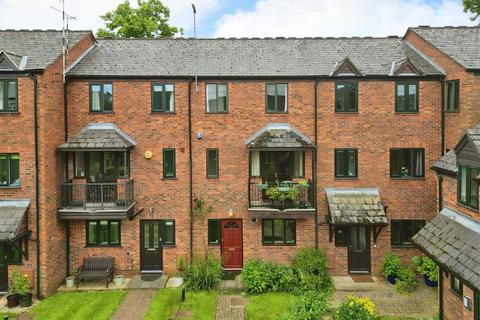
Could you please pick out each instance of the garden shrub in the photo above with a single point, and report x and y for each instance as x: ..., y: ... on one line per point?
x: 311, y: 261
x: 406, y: 281
x: 311, y: 306
x: 203, y: 275
x: 309, y: 282
x: 356, y: 308
x: 428, y: 268
x: 391, y: 265
x: 259, y: 277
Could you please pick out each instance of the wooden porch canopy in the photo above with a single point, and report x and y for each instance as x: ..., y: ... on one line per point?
x: 279, y: 136
x: 14, y: 222
x: 355, y: 206
x: 99, y: 137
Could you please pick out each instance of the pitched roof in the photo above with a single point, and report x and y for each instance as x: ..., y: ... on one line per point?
x: 245, y: 57
x: 355, y: 206
x: 99, y: 136
x: 39, y: 48
x: 278, y: 135
x: 472, y: 135
x: 12, y: 218
x: 453, y: 240
x: 462, y: 44
x: 447, y: 163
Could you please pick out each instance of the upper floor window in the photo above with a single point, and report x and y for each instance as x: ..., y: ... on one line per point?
x: 217, y: 98
x: 346, y: 161
x: 468, y: 186
x: 212, y: 163
x: 346, y: 97
x: 456, y: 285
x: 453, y: 94
x: 404, y: 230
x: 9, y: 170
x: 101, y: 97
x: 8, y: 96
x: 169, y: 163
x: 407, y: 163
x: 406, y: 96
x: 276, y: 97
x: 163, y: 97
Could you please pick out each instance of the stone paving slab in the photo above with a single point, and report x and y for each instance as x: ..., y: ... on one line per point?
x: 134, y: 305
x: 230, y: 307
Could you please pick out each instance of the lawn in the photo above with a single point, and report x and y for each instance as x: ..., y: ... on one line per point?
x: 98, y: 305
x: 270, y: 306
x: 168, y: 301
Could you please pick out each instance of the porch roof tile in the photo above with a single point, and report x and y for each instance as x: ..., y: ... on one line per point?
x: 279, y: 135
x: 12, y: 218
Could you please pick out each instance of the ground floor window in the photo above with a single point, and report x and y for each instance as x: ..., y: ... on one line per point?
x: 214, y: 231
x: 168, y: 232
x: 456, y: 285
x: 279, y: 232
x: 103, y: 233
x: 14, y: 252
x: 342, y: 236
x: 404, y: 230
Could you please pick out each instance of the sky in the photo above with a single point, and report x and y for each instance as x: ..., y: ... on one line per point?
x: 254, y: 18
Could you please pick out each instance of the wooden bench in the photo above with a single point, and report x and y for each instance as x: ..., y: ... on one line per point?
x: 95, y: 268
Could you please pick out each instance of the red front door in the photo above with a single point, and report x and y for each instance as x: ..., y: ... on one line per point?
x: 232, y: 244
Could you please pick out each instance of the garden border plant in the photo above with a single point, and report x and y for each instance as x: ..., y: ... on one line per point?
x: 391, y: 266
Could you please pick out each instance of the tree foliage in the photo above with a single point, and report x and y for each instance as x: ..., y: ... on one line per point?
x: 472, y: 6
x: 148, y: 20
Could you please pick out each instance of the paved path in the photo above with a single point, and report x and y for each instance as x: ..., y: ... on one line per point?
x: 230, y: 307
x: 135, y: 305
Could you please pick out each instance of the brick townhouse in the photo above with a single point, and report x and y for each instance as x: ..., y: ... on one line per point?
x: 453, y: 236
x: 281, y: 144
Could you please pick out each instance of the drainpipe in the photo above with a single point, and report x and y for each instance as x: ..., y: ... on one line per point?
x: 442, y: 120
x: 67, y: 226
x: 440, y: 294
x: 190, y: 165
x: 315, y: 164
x: 37, y: 184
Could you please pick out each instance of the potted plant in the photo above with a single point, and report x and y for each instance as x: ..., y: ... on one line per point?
x: 13, y: 297
x: 303, y: 184
x: 391, y: 267
x: 429, y: 270
x: 22, y: 288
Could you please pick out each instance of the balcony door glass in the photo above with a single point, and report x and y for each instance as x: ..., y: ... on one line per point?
x: 102, y: 166
x: 277, y: 165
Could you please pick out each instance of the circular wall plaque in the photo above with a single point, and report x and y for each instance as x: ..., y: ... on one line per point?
x: 148, y: 154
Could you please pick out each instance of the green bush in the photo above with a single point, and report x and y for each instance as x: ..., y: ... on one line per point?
x: 320, y: 284
x: 203, y: 275
x: 391, y: 265
x: 429, y: 268
x: 311, y: 261
x: 406, y: 281
x: 416, y: 261
x: 20, y: 284
x: 259, y: 277
x: 311, y: 306
x: 356, y: 308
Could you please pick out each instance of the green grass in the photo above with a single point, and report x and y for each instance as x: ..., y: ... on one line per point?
x: 79, y: 305
x: 270, y: 306
x: 167, y: 301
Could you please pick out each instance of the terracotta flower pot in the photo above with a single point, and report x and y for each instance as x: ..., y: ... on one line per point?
x: 12, y: 300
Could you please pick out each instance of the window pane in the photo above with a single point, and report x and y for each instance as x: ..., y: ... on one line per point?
x: 412, y: 97
x: 222, y: 98
x: 156, y: 235
x: 352, y: 163
x: 14, y: 170
x: 456, y: 95
x: 211, y: 98
x: 281, y: 97
x: 418, y: 163
x: 473, y: 188
x: 169, y: 98
x: 2, y: 106
x: 352, y: 97
x: 114, y: 232
x: 212, y: 163
x: 407, y: 233
x: 418, y: 225
x: 400, y: 97
x: 95, y: 97
x: 341, y: 236
x: 278, y: 231
x: 15, y: 255
x: 107, y: 97
x: 267, y: 231
x: 103, y: 232
x: 92, y: 232
x: 169, y: 232
x: 340, y: 163
x: 4, y: 170
x: 79, y: 164
x: 169, y: 163
x: 450, y: 95
x: 146, y: 235
x: 298, y: 164
x: 395, y: 163
x: 271, y: 97
x: 157, y: 98
x: 340, y: 97
x: 463, y: 184
x: 406, y: 163
x: 290, y: 231
x: 396, y: 232
x: 12, y: 95
x: 214, y: 231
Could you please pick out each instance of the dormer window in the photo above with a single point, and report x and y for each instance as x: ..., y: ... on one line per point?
x: 468, y: 186
x: 345, y: 68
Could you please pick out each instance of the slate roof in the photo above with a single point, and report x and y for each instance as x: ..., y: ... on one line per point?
x: 453, y: 240
x: 355, y: 206
x: 99, y: 136
x: 473, y: 135
x: 245, y: 57
x: 278, y: 135
x: 39, y: 47
x: 462, y: 44
x: 12, y: 217
x: 447, y: 163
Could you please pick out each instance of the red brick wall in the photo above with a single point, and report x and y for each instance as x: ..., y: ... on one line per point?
x: 469, y: 115
x: 374, y: 130
x: 453, y: 308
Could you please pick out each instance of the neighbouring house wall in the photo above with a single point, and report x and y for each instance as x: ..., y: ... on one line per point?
x: 449, y: 191
x: 469, y: 115
x: 374, y: 129
x: 453, y: 308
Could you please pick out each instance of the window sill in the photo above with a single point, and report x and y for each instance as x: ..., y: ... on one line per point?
x: 346, y: 112
x: 407, y: 178
x: 279, y: 244
x: 103, y: 246
x: 9, y: 112
x: 271, y: 112
x: 163, y: 113
x: 466, y: 206
x: 346, y: 178
x: 10, y: 187
x: 214, y: 244
x: 407, y: 112
x: 224, y: 112
x: 169, y: 245
x: 213, y: 178
x: 169, y: 178
x: 403, y: 246
x: 455, y: 112
x: 101, y: 112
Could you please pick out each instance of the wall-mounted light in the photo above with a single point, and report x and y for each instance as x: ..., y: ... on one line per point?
x: 199, y: 135
x: 230, y: 212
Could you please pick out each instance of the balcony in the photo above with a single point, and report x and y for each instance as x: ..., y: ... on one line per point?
x: 285, y: 199
x: 91, y: 201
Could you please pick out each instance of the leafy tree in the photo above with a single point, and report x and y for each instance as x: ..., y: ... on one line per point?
x: 148, y: 20
x: 472, y: 6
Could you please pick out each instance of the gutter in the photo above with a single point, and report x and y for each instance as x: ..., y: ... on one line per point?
x: 190, y: 165
x: 315, y: 162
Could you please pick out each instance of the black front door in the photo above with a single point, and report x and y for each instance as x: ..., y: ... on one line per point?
x: 151, y: 245
x: 3, y: 269
x: 359, y: 250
